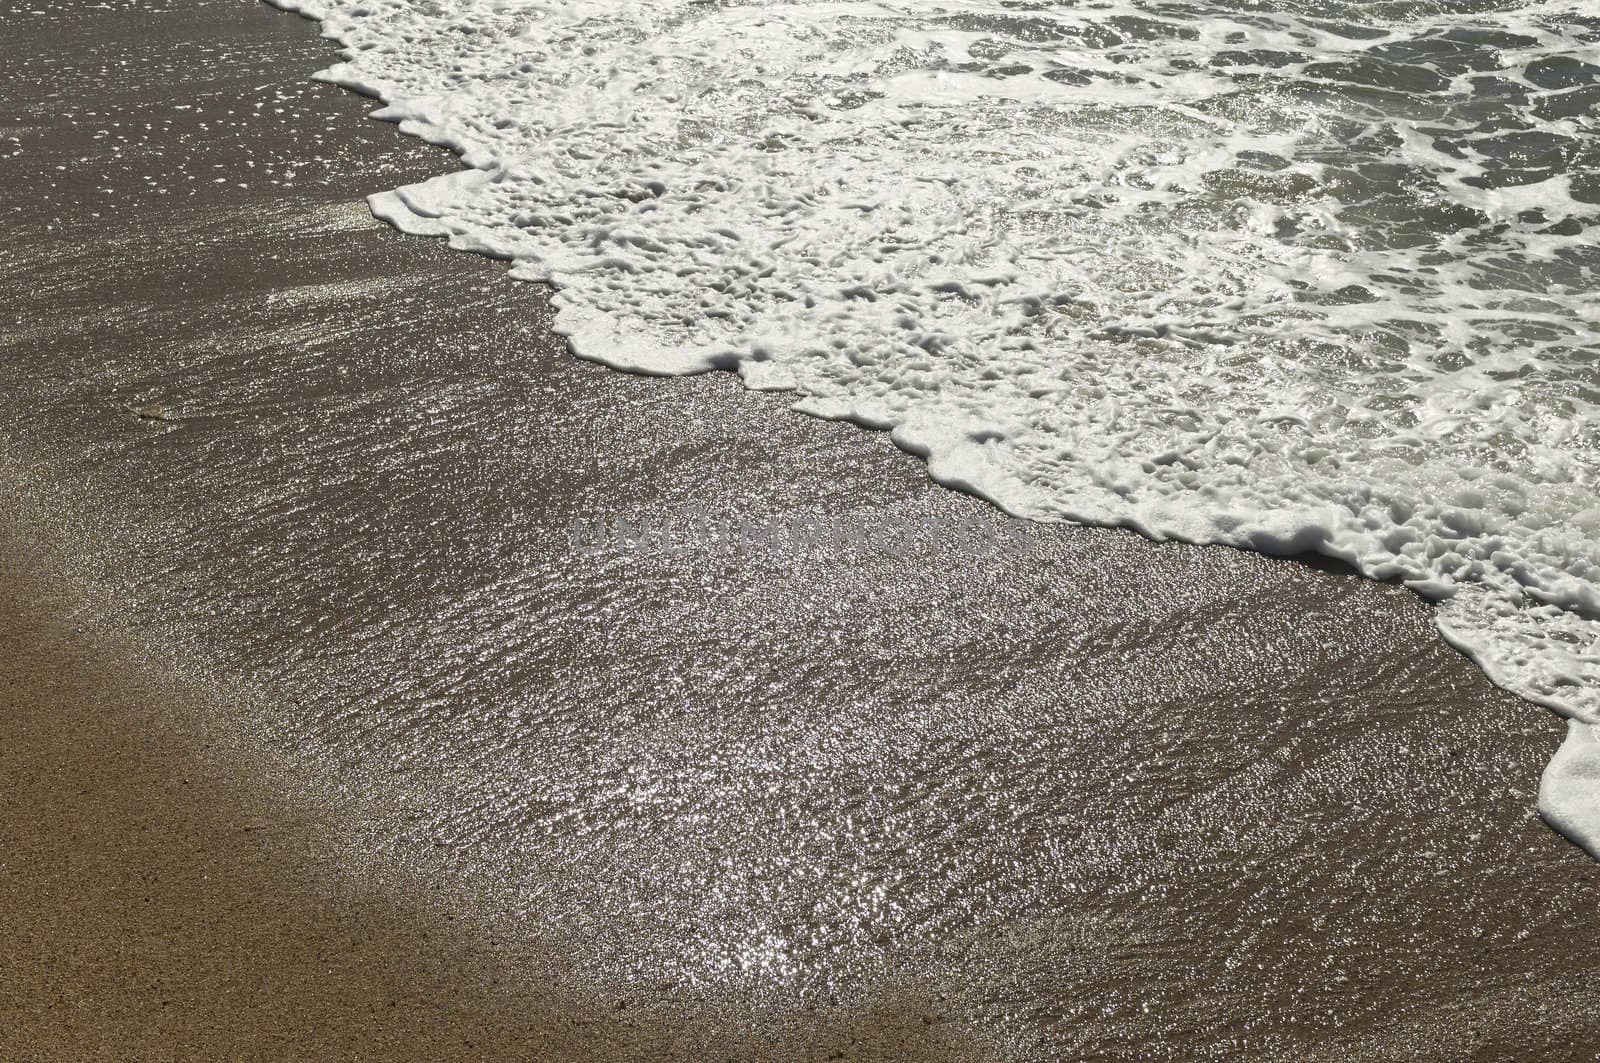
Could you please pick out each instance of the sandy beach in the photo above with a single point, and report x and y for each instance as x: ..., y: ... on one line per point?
x: 320, y: 739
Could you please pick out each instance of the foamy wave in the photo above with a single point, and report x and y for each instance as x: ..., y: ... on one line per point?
x: 1227, y: 274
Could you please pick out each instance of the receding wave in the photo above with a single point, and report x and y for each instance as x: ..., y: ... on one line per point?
x: 1287, y: 276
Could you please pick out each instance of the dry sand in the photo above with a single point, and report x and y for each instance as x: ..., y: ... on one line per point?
x: 318, y: 740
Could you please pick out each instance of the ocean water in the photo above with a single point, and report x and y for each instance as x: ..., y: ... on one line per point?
x: 1286, y: 276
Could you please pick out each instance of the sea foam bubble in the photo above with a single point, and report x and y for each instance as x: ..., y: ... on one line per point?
x: 1289, y: 277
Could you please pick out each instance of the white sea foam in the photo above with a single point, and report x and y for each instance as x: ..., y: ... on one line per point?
x: 1287, y: 276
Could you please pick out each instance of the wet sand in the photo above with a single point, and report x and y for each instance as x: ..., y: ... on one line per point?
x: 157, y: 902
x: 320, y: 740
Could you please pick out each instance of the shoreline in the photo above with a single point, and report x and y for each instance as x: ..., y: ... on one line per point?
x: 1309, y: 710
x: 1569, y: 800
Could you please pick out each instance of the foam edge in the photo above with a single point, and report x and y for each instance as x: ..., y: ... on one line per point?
x: 1569, y: 790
